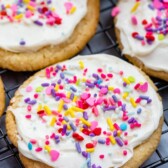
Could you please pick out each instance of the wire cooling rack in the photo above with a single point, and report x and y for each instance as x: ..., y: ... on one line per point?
x: 103, y: 42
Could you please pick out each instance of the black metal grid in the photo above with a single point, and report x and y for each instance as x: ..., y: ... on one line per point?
x: 103, y: 41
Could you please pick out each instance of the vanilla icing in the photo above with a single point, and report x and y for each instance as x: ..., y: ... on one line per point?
x: 29, y: 30
x: 116, y: 79
x: 153, y: 55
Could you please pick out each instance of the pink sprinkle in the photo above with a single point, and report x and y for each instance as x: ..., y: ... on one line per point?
x: 33, y: 141
x: 111, y: 101
x: 115, y: 11
x: 29, y: 89
x: 28, y: 14
x: 47, y: 72
x: 103, y: 76
x: 52, y: 136
x: 36, y: 96
x: 99, y: 101
x: 38, y: 149
x: 116, y: 126
x: 110, y: 75
x: 47, y: 142
x: 28, y: 116
x: 157, y: 4
x: 48, y: 90
x: 134, y: 20
x: 121, y: 73
x: 68, y: 6
x: 138, y: 100
x: 124, y: 152
x: 66, y: 100
x: 95, y: 111
x: 143, y: 43
x: 125, y: 142
x: 144, y: 87
x: 99, y: 70
x: 94, y: 124
x: 103, y: 90
x: 29, y: 108
x: 90, y: 101
x: 54, y: 155
x: 84, y: 96
x: 101, y: 156
x: 117, y: 90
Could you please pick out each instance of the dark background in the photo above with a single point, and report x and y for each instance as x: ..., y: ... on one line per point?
x: 103, y: 42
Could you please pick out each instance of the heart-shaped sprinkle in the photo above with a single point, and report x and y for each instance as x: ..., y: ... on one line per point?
x: 54, y: 155
x: 144, y: 87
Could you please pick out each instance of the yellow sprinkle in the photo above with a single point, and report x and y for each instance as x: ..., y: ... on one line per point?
x: 53, y: 120
x: 135, y: 7
x: 90, y: 150
x: 26, y: 1
x: 60, y: 107
x: 133, y: 102
x: 47, y: 109
x: 78, y: 82
x: 53, y: 9
x: 112, y: 140
x: 68, y: 127
x: 126, y: 80
x: 85, y: 122
x: 75, y: 98
x: 110, y: 88
x: 83, y: 79
x: 47, y: 148
x: 73, y: 9
x: 56, y: 87
x: 119, y: 132
x: 67, y: 113
x: 8, y: 6
x: 31, y: 8
x: 68, y: 95
x: 72, y: 114
x: 125, y: 95
x: 39, y: 107
x: 77, y: 109
x: 81, y: 64
x: 110, y: 124
x: 19, y: 16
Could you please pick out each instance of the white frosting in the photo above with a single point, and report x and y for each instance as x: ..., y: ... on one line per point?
x: 36, y: 37
x: 34, y: 128
x: 154, y: 56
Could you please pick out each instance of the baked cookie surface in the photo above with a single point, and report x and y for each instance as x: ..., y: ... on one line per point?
x: 2, y: 97
x: 97, y: 109
x: 142, y: 34
x: 45, y: 33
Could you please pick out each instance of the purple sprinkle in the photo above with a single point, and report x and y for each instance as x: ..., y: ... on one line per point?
x: 59, y: 81
x: 149, y: 101
x: 66, y: 119
x: 119, y: 142
x: 27, y: 100
x: 72, y: 126
x: 57, y: 141
x: 56, y: 137
x: 58, y: 67
x: 109, y: 108
x: 84, y: 154
x: 131, y: 120
x: 57, y: 98
x: 139, y: 111
x: 32, y: 102
x: 72, y: 96
x: 94, y: 166
x: 45, y: 84
x: 151, y: 6
x: 91, y: 134
x: 78, y: 148
x: 123, y: 107
x: 73, y: 89
x: 85, y: 116
x: 53, y: 93
x: 37, y: 22
x: 115, y: 133
x: 124, y: 84
x: 138, y: 37
x: 101, y: 141
x: 90, y: 85
x: 64, y: 129
x: 115, y: 98
x: 144, y: 97
x: 95, y: 76
x: 62, y: 76
x: 22, y: 43
x: 65, y: 107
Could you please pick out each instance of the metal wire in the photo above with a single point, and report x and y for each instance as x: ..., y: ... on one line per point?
x: 103, y: 42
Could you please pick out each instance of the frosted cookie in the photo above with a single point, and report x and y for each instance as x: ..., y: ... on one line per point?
x: 2, y: 97
x: 141, y: 29
x: 97, y: 109
x: 36, y: 33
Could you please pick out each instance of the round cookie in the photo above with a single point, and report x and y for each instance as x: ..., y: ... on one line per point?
x: 97, y: 109
x: 143, y: 41
x: 2, y: 97
x: 74, y: 28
